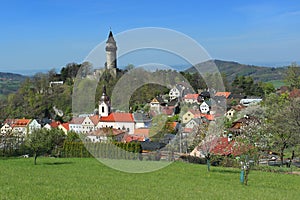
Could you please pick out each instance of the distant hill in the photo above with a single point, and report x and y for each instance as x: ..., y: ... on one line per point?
x: 232, y: 69
x: 10, y: 82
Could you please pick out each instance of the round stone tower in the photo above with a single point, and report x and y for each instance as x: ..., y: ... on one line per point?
x: 111, y: 52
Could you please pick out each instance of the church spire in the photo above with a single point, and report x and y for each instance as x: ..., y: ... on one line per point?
x: 104, y: 104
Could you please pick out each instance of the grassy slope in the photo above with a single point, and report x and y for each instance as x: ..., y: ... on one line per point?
x: 89, y: 179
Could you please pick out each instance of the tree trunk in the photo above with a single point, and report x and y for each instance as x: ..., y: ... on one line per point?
x: 35, y: 157
x: 208, y: 163
x: 247, y: 170
x: 281, y: 154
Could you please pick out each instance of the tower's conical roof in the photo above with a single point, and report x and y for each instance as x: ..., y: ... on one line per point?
x: 110, y: 38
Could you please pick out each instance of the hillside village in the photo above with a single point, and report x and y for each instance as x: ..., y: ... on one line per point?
x: 183, y: 113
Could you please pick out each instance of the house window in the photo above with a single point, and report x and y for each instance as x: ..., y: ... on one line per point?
x: 103, y: 109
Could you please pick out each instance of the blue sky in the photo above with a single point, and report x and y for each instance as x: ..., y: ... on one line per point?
x: 38, y: 35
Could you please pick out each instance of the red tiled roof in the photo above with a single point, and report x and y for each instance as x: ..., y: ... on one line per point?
x: 118, y: 117
x: 54, y: 124
x: 142, y: 132
x: 106, y: 131
x: 66, y: 126
x: 77, y: 120
x: 191, y: 96
x: 208, y: 116
x: 94, y: 119
x: 224, y: 94
x: 129, y: 138
x: 21, y: 123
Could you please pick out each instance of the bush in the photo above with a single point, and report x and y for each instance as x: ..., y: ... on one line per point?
x: 193, y: 159
x: 274, y: 169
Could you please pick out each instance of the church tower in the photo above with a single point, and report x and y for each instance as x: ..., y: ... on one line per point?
x: 104, y: 104
x: 111, y: 52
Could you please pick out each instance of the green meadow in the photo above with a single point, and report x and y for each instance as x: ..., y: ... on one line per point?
x: 75, y: 178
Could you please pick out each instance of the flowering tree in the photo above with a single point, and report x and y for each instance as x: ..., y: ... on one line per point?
x: 208, y: 134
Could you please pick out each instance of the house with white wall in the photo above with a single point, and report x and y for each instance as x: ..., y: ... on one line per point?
x: 122, y: 121
x: 76, y: 124
x: 21, y: 126
x: 33, y: 125
x: 205, y: 107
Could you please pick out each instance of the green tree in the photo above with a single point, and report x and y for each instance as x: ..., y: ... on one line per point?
x: 42, y: 141
x: 282, y: 122
x: 292, y: 77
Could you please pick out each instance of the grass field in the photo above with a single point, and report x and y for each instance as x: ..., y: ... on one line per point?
x: 89, y: 179
x: 278, y: 83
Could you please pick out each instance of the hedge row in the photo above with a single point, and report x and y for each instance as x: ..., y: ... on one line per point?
x: 115, y: 150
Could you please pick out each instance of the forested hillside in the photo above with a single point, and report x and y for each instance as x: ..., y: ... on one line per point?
x: 9, y: 83
x: 233, y: 69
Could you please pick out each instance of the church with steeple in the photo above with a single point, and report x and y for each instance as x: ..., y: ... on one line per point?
x: 104, y: 104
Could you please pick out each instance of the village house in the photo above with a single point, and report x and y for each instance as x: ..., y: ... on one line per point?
x: 6, y: 128
x: 105, y: 135
x: 193, y: 123
x: 33, y: 125
x: 190, y: 114
x: 90, y: 123
x: 250, y: 101
x: 142, y: 132
x: 205, y: 107
x: 122, y: 121
x: 204, y: 95
x: 156, y: 103
x: 76, y: 124
x: 221, y: 146
x: 7, y: 125
x: 237, y: 126
x: 180, y: 90
x: 234, y: 109
x: 64, y: 127
x: 21, y: 126
x: 191, y: 98
x: 134, y: 138
x: 141, y: 120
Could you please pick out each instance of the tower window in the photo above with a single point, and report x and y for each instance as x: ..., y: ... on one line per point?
x: 103, y: 109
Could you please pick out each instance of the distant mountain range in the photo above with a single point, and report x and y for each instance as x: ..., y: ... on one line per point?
x: 233, y: 69
x: 12, y: 76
